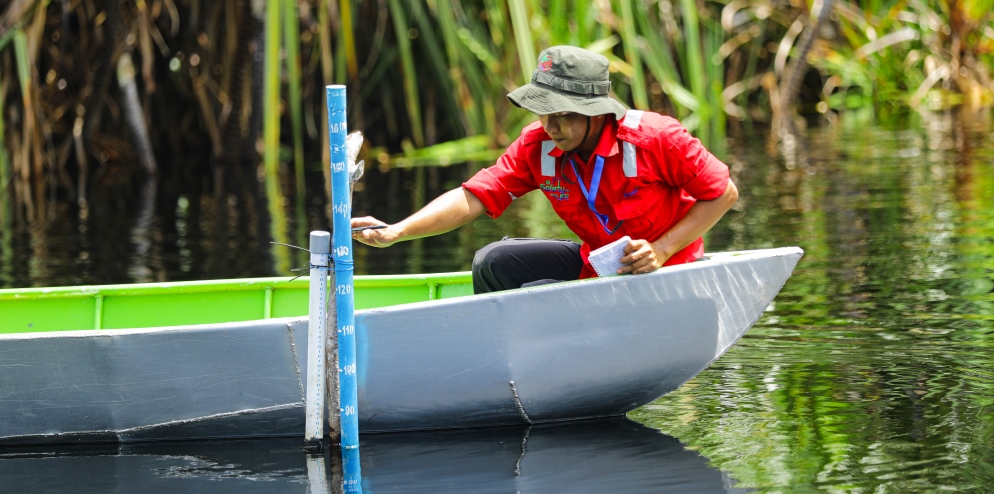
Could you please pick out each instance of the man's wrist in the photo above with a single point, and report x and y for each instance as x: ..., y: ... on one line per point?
x: 663, y: 249
x: 397, y: 231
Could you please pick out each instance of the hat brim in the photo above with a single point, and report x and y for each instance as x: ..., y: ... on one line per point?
x: 542, y: 101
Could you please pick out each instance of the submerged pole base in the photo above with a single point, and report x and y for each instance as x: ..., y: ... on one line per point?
x: 314, y: 446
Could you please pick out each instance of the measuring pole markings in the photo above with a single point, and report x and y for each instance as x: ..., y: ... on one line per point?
x: 317, y: 329
x: 349, y: 369
x: 342, y: 249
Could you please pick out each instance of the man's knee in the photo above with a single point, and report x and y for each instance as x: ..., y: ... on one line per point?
x: 510, y: 263
x: 487, y: 265
x: 483, y: 277
x: 489, y: 257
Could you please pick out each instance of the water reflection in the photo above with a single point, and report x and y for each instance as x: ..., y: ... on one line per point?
x: 141, y: 232
x: 871, y: 373
x: 617, y: 456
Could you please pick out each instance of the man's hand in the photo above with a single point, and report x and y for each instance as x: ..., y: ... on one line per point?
x: 381, y: 237
x: 641, y: 257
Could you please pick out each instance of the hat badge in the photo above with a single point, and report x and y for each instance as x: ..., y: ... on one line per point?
x: 545, y: 63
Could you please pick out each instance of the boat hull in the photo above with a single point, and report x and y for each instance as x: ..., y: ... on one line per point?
x: 574, y: 350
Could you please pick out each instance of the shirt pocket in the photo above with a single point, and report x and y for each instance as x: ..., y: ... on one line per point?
x: 638, y: 212
x: 639, y: 204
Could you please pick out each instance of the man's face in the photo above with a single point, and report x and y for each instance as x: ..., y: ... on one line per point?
x: 566, y: 129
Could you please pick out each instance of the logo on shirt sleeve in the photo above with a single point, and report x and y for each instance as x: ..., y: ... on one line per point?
x: 555, y: 190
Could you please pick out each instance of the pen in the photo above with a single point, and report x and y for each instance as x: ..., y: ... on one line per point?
x: 361, y: 228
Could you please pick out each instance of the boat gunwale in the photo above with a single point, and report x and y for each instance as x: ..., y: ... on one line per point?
x: 272, y: 285
x: 248, y: 284
x: 709, y: 261
x: 234, y: 284
x: 178, y: 328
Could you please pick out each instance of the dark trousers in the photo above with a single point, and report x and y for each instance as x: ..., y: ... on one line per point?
x: 520, y: 262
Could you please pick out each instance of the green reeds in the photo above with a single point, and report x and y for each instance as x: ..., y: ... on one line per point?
x: 291, y: 41
x: 520, y: 22
x: 439, y: 74
x: 632, y: 42
x: 15, y: 34
x: 661, y: 63
x: 413, y: 96
x: 29, y: 162
x: 271, y: 95
x: 462, y: 75
x: 6, y: 200
x: 271, y: 135
x: 468, y: 149
x: 694, y: 61
x: 348, y: 39
x: 910, y: 54
x: 715, y: 120
x: 5, y: 171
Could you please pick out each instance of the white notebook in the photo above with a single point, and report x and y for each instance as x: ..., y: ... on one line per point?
x: 607, y: 259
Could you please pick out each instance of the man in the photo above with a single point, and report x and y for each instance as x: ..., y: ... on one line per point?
x: 608, y: 173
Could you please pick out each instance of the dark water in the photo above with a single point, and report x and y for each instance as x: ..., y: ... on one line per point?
x: 871, y: 372
x: 584, y: 457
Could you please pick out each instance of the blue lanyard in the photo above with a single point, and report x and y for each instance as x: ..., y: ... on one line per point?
x: 591, y: 195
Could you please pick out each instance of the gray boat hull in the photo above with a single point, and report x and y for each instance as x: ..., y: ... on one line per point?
x: 574, y: 350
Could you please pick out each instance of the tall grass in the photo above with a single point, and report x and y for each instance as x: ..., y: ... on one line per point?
x: 428, y: 78
x: 404, y: 32
x: 271, y: 132
x: 5, y: 171
x: 30, y: 161
x: 919, y: 54
x: 291, y: 32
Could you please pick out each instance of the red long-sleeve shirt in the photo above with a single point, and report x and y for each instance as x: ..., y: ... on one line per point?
x: 674, y: 171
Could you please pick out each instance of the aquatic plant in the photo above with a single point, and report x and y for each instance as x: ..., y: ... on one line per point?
x: 926, y: 55
x: 239, y: 83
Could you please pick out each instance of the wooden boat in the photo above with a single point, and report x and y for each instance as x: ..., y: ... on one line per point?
x: 225, y: 358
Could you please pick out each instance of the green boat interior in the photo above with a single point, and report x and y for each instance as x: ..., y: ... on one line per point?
x: 31, y: 310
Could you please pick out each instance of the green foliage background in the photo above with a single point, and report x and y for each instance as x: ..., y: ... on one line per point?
x: 242, y: 81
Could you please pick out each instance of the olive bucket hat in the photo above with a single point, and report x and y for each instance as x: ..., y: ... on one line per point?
x: 569, y: 79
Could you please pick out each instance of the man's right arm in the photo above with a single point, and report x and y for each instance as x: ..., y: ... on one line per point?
x: 447, y: 212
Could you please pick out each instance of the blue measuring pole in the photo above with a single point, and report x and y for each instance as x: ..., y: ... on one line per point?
x: 351, y: 476
x: 341, y: 205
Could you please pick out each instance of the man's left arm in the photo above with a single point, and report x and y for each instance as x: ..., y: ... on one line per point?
x: 642, y: 256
